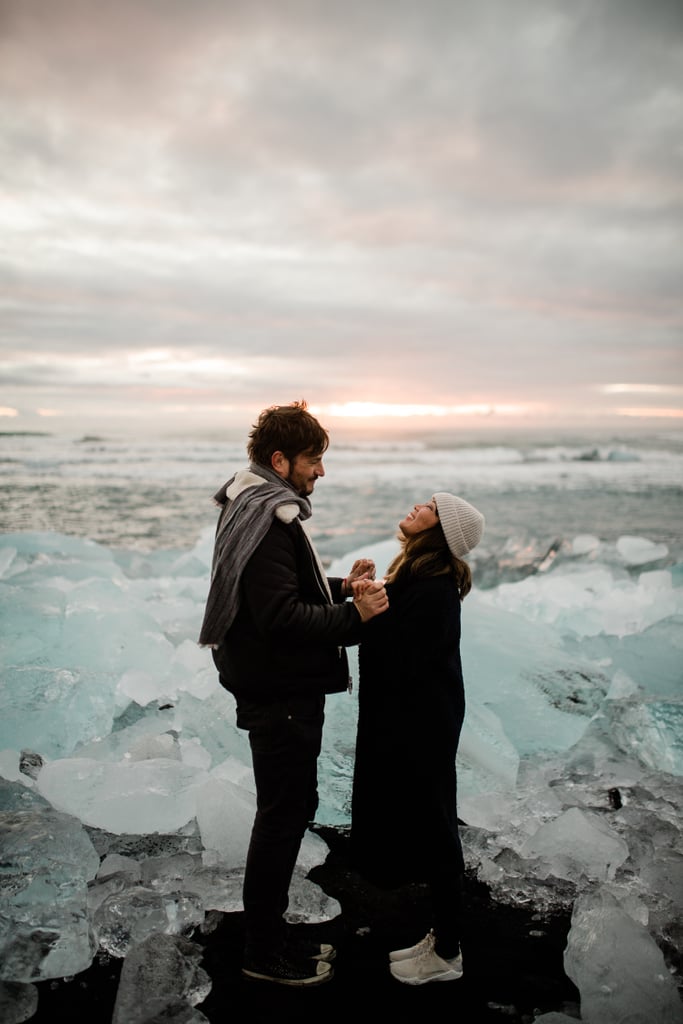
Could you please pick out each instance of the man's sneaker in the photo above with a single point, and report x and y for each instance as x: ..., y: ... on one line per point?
x: 309, y: 949
x: 425, y: 967
x: 300, y: 946
x: 411, y: 952
x: 284, y: 971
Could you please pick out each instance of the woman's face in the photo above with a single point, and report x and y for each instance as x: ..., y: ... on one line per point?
x: 422, y: 517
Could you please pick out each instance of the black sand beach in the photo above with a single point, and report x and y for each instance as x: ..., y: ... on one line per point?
x: 513, y: 964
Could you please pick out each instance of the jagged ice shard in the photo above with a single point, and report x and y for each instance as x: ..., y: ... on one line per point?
x: 127, y: 795
x: 617, y: 966
x: 161, y: 977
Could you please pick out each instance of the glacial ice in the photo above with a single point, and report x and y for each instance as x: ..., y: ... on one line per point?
x: 47, y: 862
x: 617, y: 966
x: 587, y: 601
x: 120, y: 757
x: 576, y: 843
x: 225, y: 811
x: 161, y: 978
x: 640, y: 551
x: 137, y: 912
x: 157, y: 795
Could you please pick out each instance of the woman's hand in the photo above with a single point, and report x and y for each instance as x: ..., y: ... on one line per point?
x: 370, y: 598
x: 362, y: 569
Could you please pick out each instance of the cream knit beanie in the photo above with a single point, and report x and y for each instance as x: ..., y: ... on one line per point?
x: 462, y: 524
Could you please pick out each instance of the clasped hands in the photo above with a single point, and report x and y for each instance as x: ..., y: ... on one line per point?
x: 369, y: 595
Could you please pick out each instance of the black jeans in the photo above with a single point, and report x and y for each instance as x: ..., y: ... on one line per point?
x: 285, y: 739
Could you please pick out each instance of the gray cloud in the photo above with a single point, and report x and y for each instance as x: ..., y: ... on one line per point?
x: 446, y: 201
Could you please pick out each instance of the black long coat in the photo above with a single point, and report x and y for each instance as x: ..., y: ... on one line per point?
x: 411, y: 709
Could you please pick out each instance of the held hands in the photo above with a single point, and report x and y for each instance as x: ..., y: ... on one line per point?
x: 362, y: 569
x: 370, y: 598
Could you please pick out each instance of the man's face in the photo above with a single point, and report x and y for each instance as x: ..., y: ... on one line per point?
x: 301, y: 472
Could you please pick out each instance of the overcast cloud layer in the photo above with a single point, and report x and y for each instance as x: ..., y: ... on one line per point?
x: 209, y: 207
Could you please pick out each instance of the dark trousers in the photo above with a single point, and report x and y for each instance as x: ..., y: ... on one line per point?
x: 446, y: 891
x: 445, y: 877
x: 285, y: 739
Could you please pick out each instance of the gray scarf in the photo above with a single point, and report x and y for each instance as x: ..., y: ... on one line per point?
x: 242, y: 525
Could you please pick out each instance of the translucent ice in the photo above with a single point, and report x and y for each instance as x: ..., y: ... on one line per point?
x: 118, y: 744
x: 576, y: 843
x: 114, y: 863
x: 162, y: 978
x: 174, y: 670
x: 218, y: 888
x: 211, y: 722
x: 573, y: 686
x: 589, y: 601
x: 617, y: 966
x: 585, y: 544
x: 487, y: 760
x: 50, y: 554
x: 226, y: 804
x: 44, y: 928
x: 639, y: 551
x: 128, y: 917
x: 525, y: 678
x: 225, y: 814
x: 148, y: 748
x: 308, y: 904
x: 9, y: 765
x: 52, y: 710
x: 652, y: 729
x: 157, y: 795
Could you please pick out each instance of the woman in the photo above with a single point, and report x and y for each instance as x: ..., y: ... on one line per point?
x: 411, y: 709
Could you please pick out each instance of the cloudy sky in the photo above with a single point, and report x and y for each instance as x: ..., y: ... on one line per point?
x: 468, y: 210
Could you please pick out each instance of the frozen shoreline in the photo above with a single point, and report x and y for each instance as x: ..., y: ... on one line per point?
x: 513, y: 963
x: 573, y: 682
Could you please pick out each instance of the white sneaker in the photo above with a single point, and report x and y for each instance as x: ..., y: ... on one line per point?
x: 412, y: 951
x: 425, y: 967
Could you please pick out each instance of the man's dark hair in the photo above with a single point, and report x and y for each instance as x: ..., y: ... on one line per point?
x: 289, y: 429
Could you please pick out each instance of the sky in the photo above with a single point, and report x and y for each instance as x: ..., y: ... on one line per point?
x: 446, y: 213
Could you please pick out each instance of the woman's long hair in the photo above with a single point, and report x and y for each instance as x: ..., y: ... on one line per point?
x: 427, y: 554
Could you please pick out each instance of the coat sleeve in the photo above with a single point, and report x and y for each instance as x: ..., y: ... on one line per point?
x: 271, y: 587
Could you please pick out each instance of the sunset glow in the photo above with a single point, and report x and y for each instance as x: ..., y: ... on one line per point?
x: 388, y: 410
x: 641, y: 389
x: 193, y: 232
x: 647, y: 412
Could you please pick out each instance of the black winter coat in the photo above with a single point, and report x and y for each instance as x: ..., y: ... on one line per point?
x: 411, y: 709
x: 287, y: 639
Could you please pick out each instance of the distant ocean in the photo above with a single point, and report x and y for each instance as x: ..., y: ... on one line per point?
x: 148, y: 495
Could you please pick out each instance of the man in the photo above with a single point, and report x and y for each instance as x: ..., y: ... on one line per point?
x: 278, y: 628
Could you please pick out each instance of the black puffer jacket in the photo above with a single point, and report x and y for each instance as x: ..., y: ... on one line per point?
x: 287, y: 639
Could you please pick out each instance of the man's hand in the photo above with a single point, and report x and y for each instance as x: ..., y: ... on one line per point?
x: 362, y: 569
x: 370, y: 598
